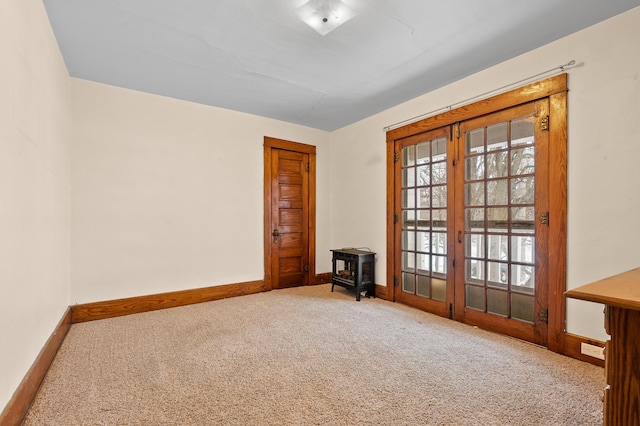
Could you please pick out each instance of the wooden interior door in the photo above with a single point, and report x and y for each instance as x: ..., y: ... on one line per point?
x: 289, y: 227
x: 289, y: 207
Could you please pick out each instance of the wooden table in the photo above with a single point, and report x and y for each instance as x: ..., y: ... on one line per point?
x: 621, y: 296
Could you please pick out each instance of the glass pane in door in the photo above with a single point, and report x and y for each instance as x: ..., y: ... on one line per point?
x: 499, y: 211
x: 424, y: 219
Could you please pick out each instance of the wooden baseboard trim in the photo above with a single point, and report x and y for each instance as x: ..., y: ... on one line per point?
x: 324, y: 278
x: 19, y: 404
x: 572, y: 345
x: 381, y: 292
x: 134, y: 305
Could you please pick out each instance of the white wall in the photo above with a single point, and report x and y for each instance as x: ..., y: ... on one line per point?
x: 604, y: 150
x: 167, y: 195
x: 34, y: 188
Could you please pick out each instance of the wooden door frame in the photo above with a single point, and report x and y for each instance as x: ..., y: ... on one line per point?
x: 269, y: 145
x: 554, y: 88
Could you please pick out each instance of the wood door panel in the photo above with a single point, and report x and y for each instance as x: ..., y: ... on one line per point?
x: 433, y: 306
x: 290, y: 192
x: 294, y: 280
x: 291, y: 240
x: 291, y: 217
x: 289, y: 170
x: 510, y: 327
x: 290, y: 254
x: 290, y: 265
x: 291, y: 271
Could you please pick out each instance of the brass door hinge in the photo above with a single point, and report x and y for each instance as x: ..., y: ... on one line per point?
x: 543, y: 315
x: 306, y: 167
x: 544, y: 123
x: 306, y: 268
x: 396, y: 282
x: 395, y: 218
x: 544, y: 218
x: 396, y: 157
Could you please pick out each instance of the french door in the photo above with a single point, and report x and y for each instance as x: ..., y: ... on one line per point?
x: 425, y: 203
x: 471, y: 216
x: 501, y: 222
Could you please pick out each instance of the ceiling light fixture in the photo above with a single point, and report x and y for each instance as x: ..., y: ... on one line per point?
x: 325, y: 16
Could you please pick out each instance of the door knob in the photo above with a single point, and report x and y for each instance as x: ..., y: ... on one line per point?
x: 275, y: 234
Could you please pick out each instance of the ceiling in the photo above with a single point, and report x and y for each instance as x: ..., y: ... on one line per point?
x: 257, y: 57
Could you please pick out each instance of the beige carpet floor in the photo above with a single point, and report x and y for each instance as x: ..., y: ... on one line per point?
x: 306, y: 356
